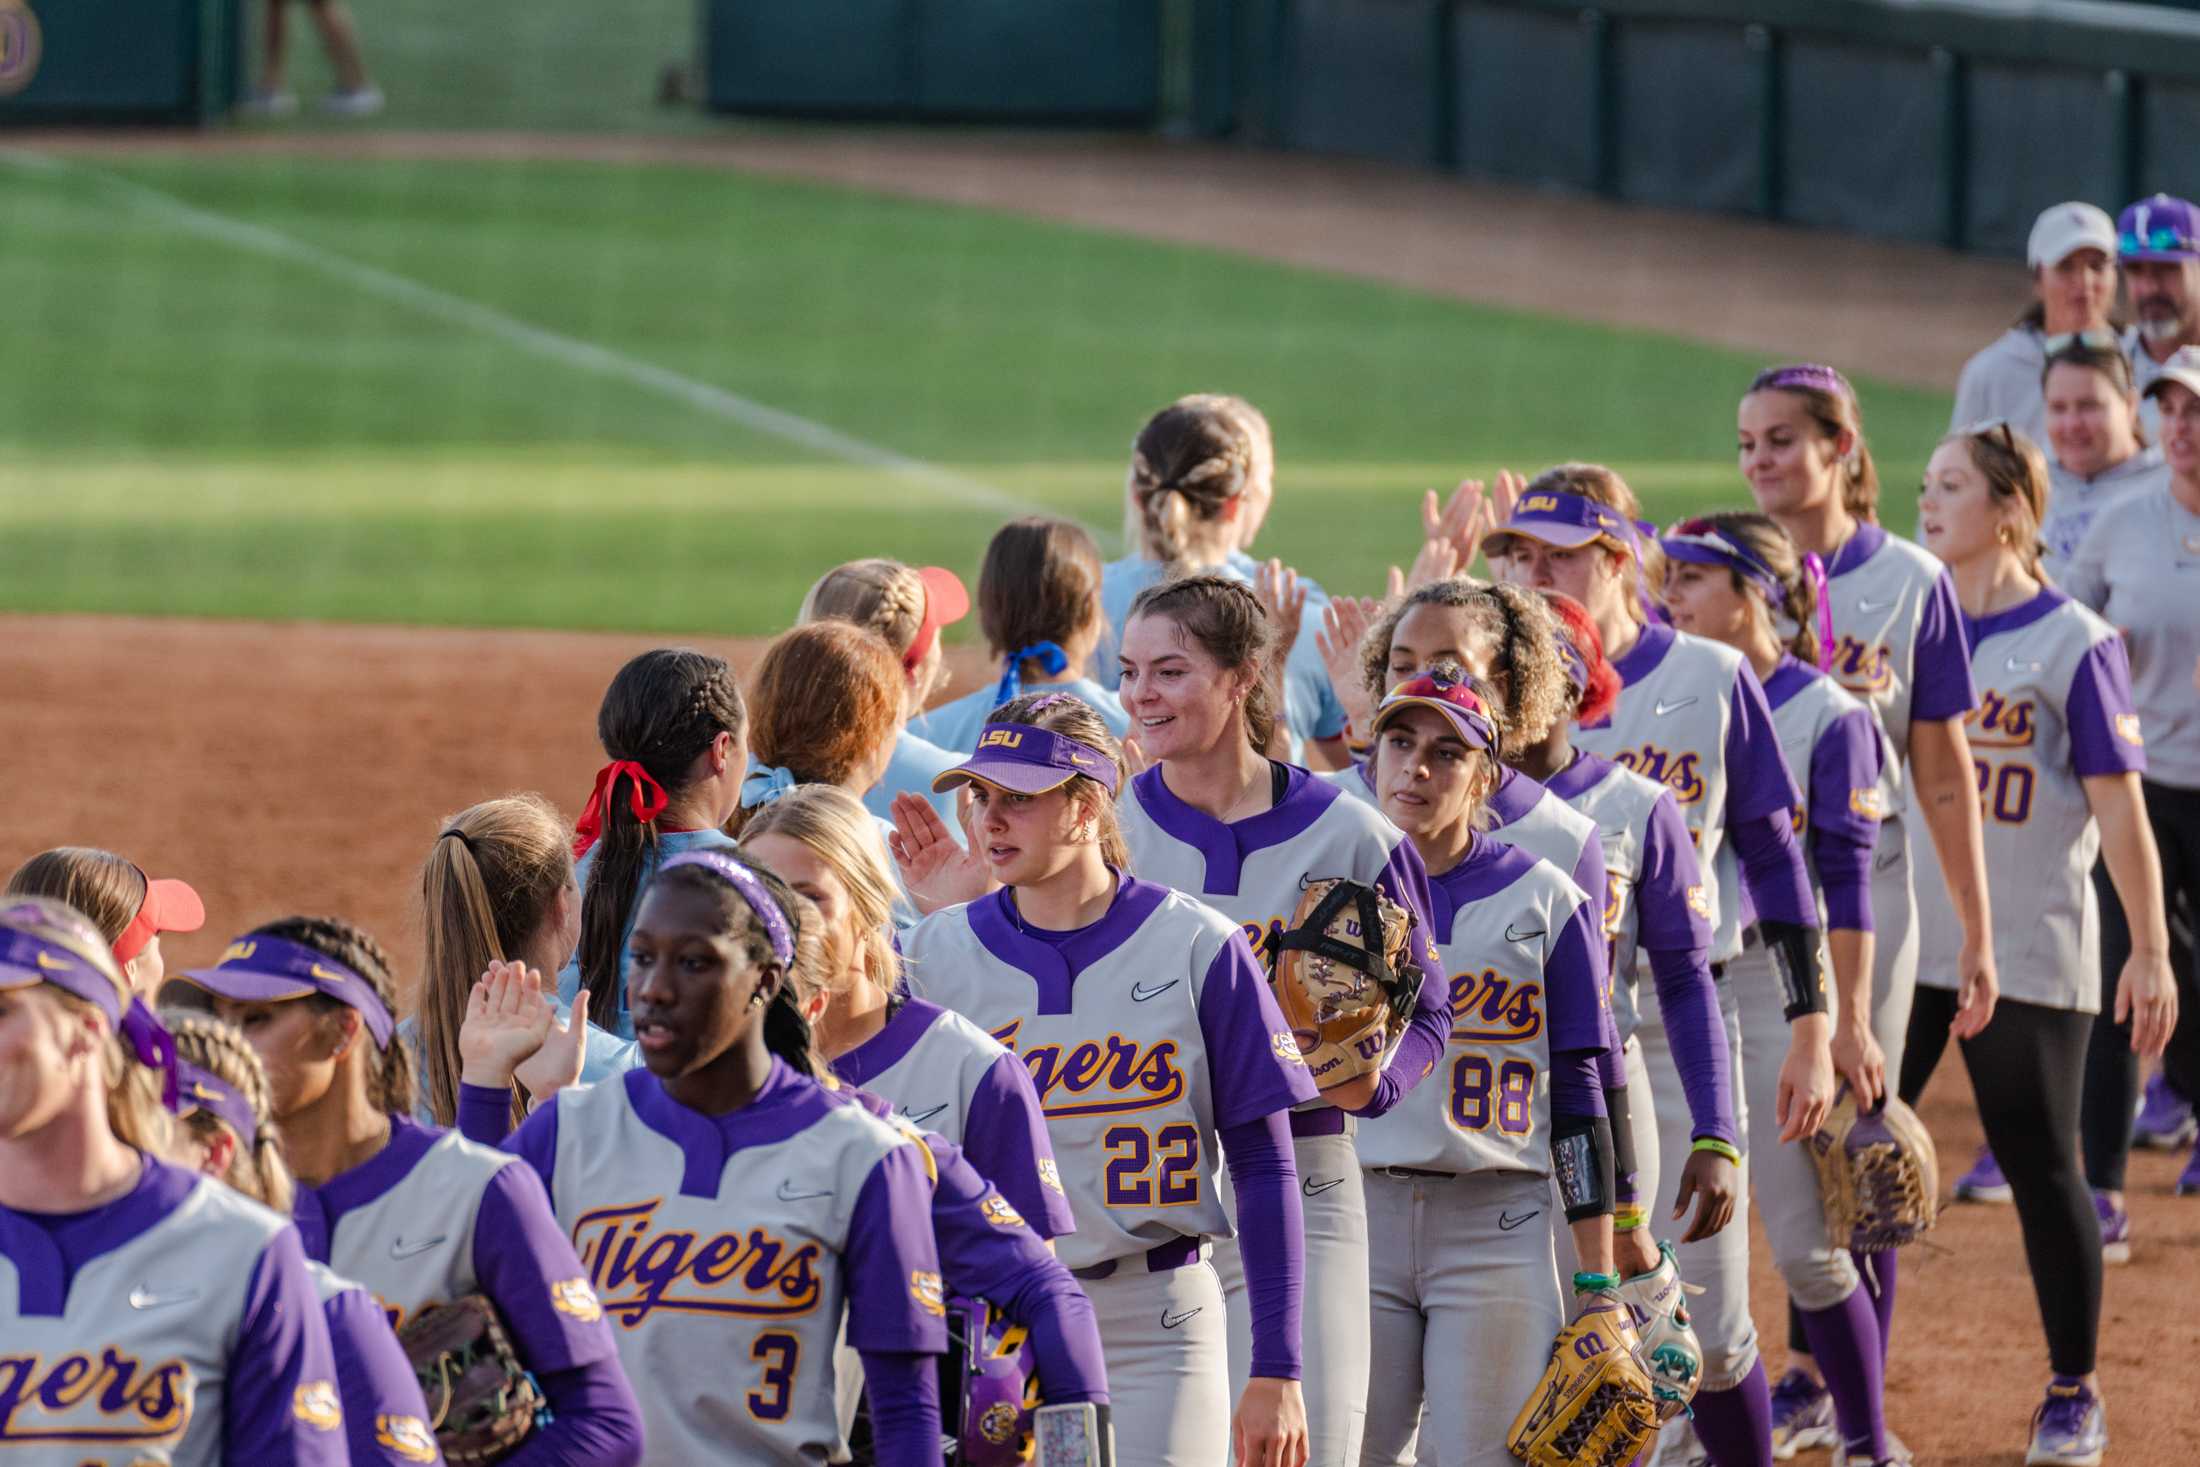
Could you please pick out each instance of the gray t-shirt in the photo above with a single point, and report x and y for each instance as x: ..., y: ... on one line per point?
x: 2073, y: 503
x: 2139, y: 566
x: 2003, y: 381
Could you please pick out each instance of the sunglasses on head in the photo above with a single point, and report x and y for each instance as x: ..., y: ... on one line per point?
x: 2091, y: 339
x: 2153, y: 240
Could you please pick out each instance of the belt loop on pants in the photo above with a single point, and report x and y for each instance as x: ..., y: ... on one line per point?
x: 1412, y: 1174
x: 1173, y: 1254
x: 1325, y: 1121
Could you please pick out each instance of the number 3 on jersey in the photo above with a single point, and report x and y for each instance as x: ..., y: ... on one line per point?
x: 1481, y: 1093
x: 778, y: 1354
x: 1136, y: 1155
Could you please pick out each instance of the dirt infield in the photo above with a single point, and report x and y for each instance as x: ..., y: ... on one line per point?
x: 305, y: 768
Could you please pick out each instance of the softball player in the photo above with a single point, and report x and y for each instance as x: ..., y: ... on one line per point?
x: 1459, y: 1176
x: 1736, y: 579
x: 144, y: 1310
x: 1692, y: 716
x: 1039, y: 606
x: 732, y: 1212
x: 1898, y: 648
x: 227, y: 1131
x: 2060, y: 753
x: 130, y: 909
x: 414, y: 1215
x: 1151, y: 1036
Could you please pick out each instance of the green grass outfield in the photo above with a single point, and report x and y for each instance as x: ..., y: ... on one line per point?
x: 481, y: 393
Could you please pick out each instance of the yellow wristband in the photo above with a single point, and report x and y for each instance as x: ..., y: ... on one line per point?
x: 1717, y: 1147
x: 1629, y: 1216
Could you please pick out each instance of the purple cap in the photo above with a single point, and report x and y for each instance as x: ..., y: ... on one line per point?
x: 198, y: 1089
x: 1028, y: 761
x: 753, y: 891
x: 1455, y: 700
x: 2158, y: 228
x: 1568, y: 521
x: 257, y: 968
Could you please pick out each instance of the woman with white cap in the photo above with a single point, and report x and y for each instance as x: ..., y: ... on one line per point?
x: 2072, y: 257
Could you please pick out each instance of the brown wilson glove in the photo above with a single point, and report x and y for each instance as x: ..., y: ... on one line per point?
x: 1878, y: 1176
x: 1594, y: 1406
x: 1340, y: 974
x: 481, y: 1401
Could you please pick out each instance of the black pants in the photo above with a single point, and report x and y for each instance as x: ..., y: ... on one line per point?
x: 2111, y: 1069
x: 2026, y: 1072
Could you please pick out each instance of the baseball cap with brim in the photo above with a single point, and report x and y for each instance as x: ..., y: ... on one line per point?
x: 2064, y: 229
x: 263, y: 969
x: 1455, y: 701
x: 2182, y: 368
x: 170, y: 906
x: 1568, y: 521
x: 946, y: 601
x: 1025, y: 760
x: 2158, y: 228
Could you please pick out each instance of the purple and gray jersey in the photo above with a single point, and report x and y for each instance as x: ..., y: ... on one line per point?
x: 1898, y: 638
x: 2055, y: 707
x: 1834, y: 745
x: 174, y: 1324
x: 385, y: 1416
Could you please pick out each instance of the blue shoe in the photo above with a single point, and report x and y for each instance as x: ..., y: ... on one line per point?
x: 2070, y: 1429
x: 2115, y: 1229
x: 2165, y: 1120
x: 1802, y: 1416
x: 1984, y: 1181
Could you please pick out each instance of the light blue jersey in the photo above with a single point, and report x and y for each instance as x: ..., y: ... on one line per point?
x: 955, y: 726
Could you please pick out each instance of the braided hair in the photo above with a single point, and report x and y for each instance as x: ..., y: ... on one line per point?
x: 786, y: 1032
x: 390, y: 1088
x: 1190, y: 461
x: 258, y: 1169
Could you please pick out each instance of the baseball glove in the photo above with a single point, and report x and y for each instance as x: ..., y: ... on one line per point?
x: 481, y: 1401
x: 1594, y: 1406
x: 1658, y: 1304
x: 1877, y: 1176
x: 1340, y: 975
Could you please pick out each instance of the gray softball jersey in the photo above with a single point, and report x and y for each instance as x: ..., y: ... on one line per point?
x: 1898, y: 638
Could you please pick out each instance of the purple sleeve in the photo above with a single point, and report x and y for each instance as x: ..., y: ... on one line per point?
x: 1773, y: 874
x: 374, y: 1376
x: 528, y: 1269
x: 1672, y: 910
x: 890, y: 1247
x: 1577, y: 1086
x: 282, y: 1348
x: 596, y: 1421
x: 1758, y: 780
x: 535, y: 1142
x: 1588, y: 872
x: 1940, y: 660
x: 1005, y: 1137
x: 903, y: 1390
x: 1271, y: 1232
x: 1844, y: 823
x: 1405, y: 881
x: 2105, y: 737
x: 1250, y: 1052
x: 1689, y: 1005
x: 1576, y: 985
x: 485, y: 1113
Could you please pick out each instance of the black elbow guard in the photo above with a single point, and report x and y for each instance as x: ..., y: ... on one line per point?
x: 1581, y: 1161
x: 1799, y: 961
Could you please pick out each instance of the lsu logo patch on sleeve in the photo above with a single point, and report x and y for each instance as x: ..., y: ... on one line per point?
x: 1050, y: 1175
x: 931, y: 1295
x: 1868, y: 804
x: 407, y: 1436
x: 1286, y: 1047
x: 317, y: 1405
x: 1699, y: 902
x: 575, y: 1297
x: 2127, y: 729
x: 998, y: 1212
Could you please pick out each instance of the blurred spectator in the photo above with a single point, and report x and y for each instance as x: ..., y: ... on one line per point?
x: 356, y: 95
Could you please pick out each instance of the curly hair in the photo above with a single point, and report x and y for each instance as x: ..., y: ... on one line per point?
x: 1523, y: 640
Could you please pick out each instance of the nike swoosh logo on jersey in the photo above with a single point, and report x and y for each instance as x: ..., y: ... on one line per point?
x: 2015, y: 664
x: 144, y: 1298
x: 1140, y: 992
x: 1661, y: 707
x: 48, y: 960
x: 1171, y: 1321
x: 1313, y: 1188
x: 1887, y: 862
x: 1866, y: 608
x: 399, y: 1248
x: 1506, y: 1222
x: 918, y: 1118
x: 1514, y: 934
x: 787, y: 1196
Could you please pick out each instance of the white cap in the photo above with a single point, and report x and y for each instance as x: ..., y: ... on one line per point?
x: 2067, y: 227
x: 2182, y: 368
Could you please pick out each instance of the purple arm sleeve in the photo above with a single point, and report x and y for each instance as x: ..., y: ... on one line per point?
x: 484, y: 1113
x: 890, y: 1244
x: 1844, y: 779
x: 1271, y: 1234
x: 596, y: 1421
x: 1758, y: 780
x: 375, y: 1377
x: 903, y: 1388
x: 1246, y: 1038
x: 1672, y: 912
x: 1577, y: 1086
x: 1689, y: 1004
x: 522, y: 1257
x: 1005, y: 1137
x: 1588, y: 872
x: 2104, y: 731
x: 535, y: 1142
x: 1778, y: 883
x: 1405, y: 881
x: 1576, y: 984
x: 1941, y: 687
x: 282, y: 1345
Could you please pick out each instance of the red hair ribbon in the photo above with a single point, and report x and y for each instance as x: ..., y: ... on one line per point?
x: 647, y: 800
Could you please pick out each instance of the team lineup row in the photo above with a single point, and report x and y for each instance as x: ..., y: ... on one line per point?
x: 736, y: 1100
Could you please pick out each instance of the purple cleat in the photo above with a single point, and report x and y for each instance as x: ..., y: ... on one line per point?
x: 2115, y: 1229
x: 2165, y: 1121
x: 1984, y: 1181
x: 1802, y: 1416
x: 2071, y: 1427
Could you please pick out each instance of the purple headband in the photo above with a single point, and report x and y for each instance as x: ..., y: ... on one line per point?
x: 200, y: 1089
x: 27, y: 958
x: 1804, y: 374
x: 1700, y: 542
x: 753, y: 891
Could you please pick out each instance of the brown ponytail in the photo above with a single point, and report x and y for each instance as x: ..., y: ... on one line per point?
x: 1831, y: 403
x: 2016, y: 475
x: 1190, y: 461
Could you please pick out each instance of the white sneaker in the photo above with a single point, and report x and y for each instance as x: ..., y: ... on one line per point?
x: 365, y: 102
x: 269, y: 104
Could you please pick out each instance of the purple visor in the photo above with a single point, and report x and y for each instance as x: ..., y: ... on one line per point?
x: 1701, y: 543
x: 198, y: 1089
x: 1568, y: 521
x: 262, y: 969
x: 30, y: 957
x: 1028, y: 761
x: 753, y: 891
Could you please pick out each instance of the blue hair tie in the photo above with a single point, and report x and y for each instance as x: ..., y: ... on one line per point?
x: 764, y: 784
x: 1048, y: 655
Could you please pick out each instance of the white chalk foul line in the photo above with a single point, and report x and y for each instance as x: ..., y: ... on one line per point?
x: 570, y: 351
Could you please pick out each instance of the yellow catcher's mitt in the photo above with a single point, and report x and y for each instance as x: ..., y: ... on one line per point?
x: 1877, y: 1176
x: 1594, y: 1406
x: 1340, y: 975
